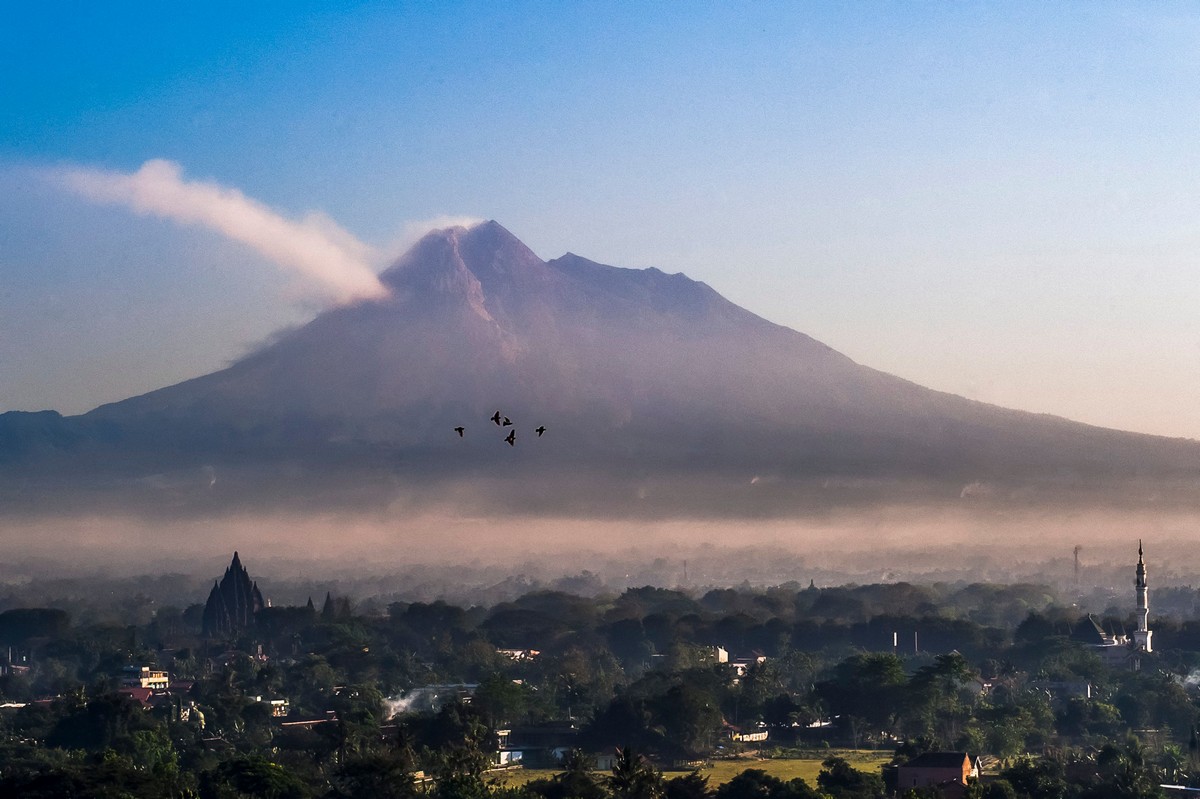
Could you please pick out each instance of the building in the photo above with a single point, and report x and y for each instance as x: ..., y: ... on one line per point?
x: 280, y: 708
x: 1121, y: 651
x: 1112, y: 648
x: 145, y: 677
x: 946, y: 772
x: 232, y: 602
x: 506, y: 753
x: 741, y: 665
x: 1143, y: 634
x: 543, y: 745
x: 756, y: 734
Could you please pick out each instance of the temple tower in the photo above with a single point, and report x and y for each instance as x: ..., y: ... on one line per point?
x: 1142, y: 635
x: 232, y: 602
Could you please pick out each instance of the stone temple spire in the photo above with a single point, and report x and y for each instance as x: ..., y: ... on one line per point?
x: 232, y: 602
x: 1142, y: 635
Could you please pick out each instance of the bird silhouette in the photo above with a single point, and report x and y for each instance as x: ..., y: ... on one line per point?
x: 511, y: 438
x: 540, y: 430
x: 507, y: 422
x: 459, y: 430
x: 496, y: 417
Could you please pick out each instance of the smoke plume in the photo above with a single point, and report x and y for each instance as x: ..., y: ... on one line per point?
x: 314, y: 248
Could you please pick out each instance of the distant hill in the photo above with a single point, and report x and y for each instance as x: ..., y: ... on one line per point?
x: 657, y: 394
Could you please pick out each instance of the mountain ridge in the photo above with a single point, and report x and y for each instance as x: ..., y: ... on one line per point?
x: 638, y: 374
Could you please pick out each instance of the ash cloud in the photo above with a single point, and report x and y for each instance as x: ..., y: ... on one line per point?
x: 314, y: 248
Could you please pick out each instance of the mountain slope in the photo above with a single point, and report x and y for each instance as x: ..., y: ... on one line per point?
x: 638, y: 376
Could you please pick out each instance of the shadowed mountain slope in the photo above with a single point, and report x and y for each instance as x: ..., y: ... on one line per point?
x: 639, y: 377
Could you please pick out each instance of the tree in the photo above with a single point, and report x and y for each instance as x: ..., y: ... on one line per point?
x: 256, y: 778
x: 20, y: 624
x: 937, y: 698
x: 500, y: 699
x: 693, y: 785
x: 1036, y: 778
x: 690, y: 718
x: 633, y: 777
x: 1173, y: 763
x: 842, y: 781
x: 107, y: 722
x: 577, y: 780
x: 757, y: 784
x: 379, y: 776
x: 869, y: 687
x: 1125, y: 773
x: 458, y: 772
x: 627, y: 718
x: 1000, y: 789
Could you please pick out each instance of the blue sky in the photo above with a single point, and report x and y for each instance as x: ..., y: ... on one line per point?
x: 997, y: 200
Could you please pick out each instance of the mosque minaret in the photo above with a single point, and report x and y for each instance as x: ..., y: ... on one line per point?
x: 1141, y: 636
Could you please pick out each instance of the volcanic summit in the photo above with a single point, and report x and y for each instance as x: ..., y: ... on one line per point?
x: 639, y: 377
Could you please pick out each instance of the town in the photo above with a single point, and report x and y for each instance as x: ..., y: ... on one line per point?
x: 965, y: 690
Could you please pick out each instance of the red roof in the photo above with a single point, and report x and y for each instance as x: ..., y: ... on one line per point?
x: 137, y: 692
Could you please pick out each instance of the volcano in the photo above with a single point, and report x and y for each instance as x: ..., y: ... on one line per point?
x: 652, y: 389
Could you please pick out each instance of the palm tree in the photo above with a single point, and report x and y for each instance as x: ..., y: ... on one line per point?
x: 633, y: 777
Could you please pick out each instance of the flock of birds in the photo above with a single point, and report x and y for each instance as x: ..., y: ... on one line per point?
x: 502, y: 422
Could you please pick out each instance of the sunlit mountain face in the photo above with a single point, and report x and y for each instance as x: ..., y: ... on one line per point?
x: 653, y: 394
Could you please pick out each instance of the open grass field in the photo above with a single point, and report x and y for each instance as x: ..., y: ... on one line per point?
x: 722, y: 771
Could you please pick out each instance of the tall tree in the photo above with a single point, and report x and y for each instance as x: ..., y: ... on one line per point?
x: 633, y: 777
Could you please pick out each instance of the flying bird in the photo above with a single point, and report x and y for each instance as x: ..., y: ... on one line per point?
x: 496, y: 417
x: 459, y: 430
x: 540, y: 430
x: 507, y: 422
x: 511, y: 438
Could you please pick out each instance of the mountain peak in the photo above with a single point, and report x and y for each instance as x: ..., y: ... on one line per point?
x: 482, y: 261
x: 489, y: 247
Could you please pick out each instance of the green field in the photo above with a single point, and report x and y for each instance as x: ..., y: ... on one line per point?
x: 722, y: 771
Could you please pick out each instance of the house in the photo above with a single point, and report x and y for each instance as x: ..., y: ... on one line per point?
x: 606, y: 761
x: 142, y: 695
x: 741, y: 665
x: 542, y: 745
x: 280, y: 708
x: 519, y: 655
x: 145, y: 677
x: 307, y: 723
x: 756, y: 734
x: 946, y: 771
x: 506, y: 754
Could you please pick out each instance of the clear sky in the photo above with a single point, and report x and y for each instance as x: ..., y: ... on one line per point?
x: 998, y: 200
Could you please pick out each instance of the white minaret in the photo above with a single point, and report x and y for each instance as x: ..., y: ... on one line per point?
x: 1141, y: 636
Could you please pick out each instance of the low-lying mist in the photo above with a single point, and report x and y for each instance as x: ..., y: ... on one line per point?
x: 395, y: 555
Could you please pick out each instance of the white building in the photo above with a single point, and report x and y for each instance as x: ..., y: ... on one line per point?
x: 145, y: 677
x: 1124, y: 650
x: 1143, y: 634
